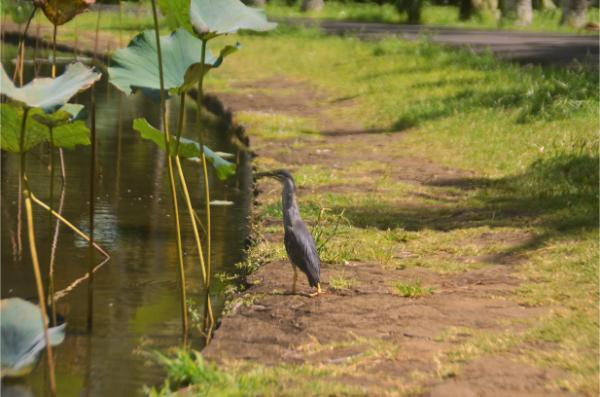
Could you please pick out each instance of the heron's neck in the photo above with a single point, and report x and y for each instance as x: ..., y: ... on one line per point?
x: 290, y: 205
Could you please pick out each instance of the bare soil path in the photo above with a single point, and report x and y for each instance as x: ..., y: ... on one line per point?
x: 366, y: 335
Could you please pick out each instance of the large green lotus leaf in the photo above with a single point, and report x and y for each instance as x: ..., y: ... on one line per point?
x: 11, y: 130
x: 187, y: 148
x: 65, y: 136
x: 22, y: 336
x: 214, y: 17
x: 136, y: 67
x: 47, y: 93
x: 60, y: 12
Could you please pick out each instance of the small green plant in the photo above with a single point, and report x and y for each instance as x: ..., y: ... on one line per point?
x: 340, y: 282
x: 412, y: 289
x: 321, y: 233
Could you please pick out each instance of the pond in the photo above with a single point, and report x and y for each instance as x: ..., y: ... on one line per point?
x: 136, y: 296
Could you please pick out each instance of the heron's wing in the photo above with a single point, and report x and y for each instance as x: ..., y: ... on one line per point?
x: 302, y: 251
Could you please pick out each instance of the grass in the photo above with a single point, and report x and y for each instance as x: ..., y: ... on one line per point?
x: 340, y: 282
x: 435, y: 15
x: 187, y: 368
x: 411, y: 289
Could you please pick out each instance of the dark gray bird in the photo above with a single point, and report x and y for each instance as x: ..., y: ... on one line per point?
x: 299, y: 243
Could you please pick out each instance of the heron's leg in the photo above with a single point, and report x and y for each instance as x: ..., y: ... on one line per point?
x: 295, y: 279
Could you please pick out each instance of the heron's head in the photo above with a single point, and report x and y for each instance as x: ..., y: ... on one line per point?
x: 282, y: 176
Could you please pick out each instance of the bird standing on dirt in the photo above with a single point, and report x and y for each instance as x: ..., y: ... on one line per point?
x: 299, y: 243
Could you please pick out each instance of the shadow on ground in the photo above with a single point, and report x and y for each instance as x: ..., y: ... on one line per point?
x: 558, y: 195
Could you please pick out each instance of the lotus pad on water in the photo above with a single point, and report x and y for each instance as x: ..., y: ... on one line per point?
x: 136, y: 67
x: 22, y: 336
x: 215, y: 17
x: 47, y: 93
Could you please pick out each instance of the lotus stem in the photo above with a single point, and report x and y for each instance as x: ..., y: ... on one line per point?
x: 21, y: 49
x: 67, y: 223
x: 54, y: 32
x: 55, y: 236
x: 184, y: 310
x: 34, y: 256
x: 209, y: 320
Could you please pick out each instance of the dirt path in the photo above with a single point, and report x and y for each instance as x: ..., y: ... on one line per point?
x: 366, y: 336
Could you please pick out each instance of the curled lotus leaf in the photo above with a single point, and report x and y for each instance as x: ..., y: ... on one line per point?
x: 49, y: 94
x: 60, y: 12
x: 188, y: 148
x: 215, y: 17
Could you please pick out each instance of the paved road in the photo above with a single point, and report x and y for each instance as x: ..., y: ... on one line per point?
x: 522, y: 47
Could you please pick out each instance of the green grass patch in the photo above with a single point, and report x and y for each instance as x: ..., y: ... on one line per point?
x: 340, y: 282
x: 411, y: 289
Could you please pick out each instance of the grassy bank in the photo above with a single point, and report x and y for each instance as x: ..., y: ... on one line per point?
x: 526, y: 142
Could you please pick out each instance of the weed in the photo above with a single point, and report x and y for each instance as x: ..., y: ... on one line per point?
x: 340, y: 282
x: 412, y: 289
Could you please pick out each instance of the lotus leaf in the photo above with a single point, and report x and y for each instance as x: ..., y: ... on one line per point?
x: 68, y: 112
x: 47, y: 93
x: 215, y: 17
x: 136, y: 67
x: 60, y: 12
x: 19, y: 10
x: 66, y: 135
x: 187, y: 148
x: 22, y: 336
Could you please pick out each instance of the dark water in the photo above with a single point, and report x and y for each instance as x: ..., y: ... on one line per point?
x: 136, y: 293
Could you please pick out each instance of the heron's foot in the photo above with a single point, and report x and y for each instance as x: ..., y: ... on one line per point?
x: 318, y: 292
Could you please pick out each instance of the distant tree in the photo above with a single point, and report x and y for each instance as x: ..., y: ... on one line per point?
x: 520, y: 11
x: 574, y: 13
x: 412, y: 8
x: 482, y: 9
x: 311, y: 5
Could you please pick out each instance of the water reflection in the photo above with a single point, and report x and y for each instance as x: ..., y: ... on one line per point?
x: 136, y: 293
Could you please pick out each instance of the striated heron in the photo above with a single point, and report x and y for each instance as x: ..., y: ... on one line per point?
x: 299, y: 243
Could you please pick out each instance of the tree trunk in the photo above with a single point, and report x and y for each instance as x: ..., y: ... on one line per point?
x: 486, y: 9
x: 465, y: 10
x: 412, y: 8
x: 520, y: 11
x: 574, y: 13
x: 311, y: 5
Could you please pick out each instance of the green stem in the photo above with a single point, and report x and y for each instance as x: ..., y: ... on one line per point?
x: 54, y: 51
x: 209, y: 319
x: 51, y: 203
x: 21, y: 50
x: 184, y: 311
x: 92, y: 209
x: 34, y: 257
